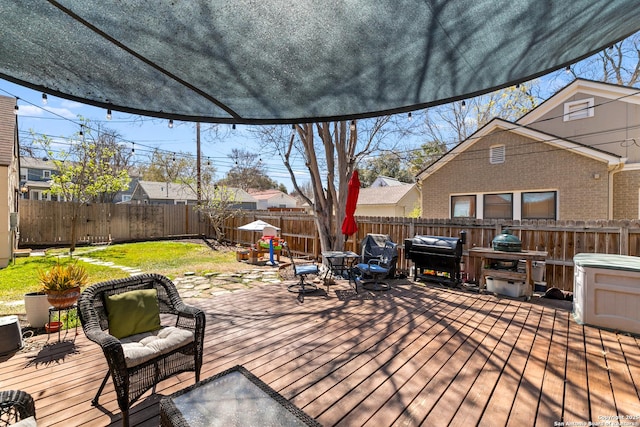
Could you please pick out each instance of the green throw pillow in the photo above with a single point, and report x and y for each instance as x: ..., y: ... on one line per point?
x: 133, y: 312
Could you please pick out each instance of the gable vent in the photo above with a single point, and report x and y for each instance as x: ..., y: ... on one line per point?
x: 496, y: 154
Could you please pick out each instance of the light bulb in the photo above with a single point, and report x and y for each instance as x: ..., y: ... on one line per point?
x: 233, y: 126
x: 568, y: 69
x: 133, y: 147
x: 44, y: 99
x: 108, y: 114
x: 409, y: 116
x: 170, y: 123
x: 464, y: 104
x: 353, y: 125
x: 16, y: 109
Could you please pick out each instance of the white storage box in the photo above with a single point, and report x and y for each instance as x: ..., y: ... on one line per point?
x: 506, y: 287
x: 606, y: 291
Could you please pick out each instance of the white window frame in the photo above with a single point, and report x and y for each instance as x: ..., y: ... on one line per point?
x: 179, y: 202
x: 516, y: 201
x: 126, y: 197
x: 46, y: 174
x: 497, y: 154
x: 581, y: 109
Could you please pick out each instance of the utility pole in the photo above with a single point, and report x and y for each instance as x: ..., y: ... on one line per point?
x: 198, y: 159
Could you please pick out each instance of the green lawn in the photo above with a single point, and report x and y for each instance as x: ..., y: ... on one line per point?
x: 167, y: 257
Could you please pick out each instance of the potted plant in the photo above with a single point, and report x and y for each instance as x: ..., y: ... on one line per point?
x: 62, y: 284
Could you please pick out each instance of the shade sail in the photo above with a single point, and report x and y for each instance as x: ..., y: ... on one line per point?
x: 275, y: 61
x: 349, y: 225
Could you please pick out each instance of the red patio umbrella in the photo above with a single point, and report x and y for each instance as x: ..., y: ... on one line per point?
x: 349, y: 225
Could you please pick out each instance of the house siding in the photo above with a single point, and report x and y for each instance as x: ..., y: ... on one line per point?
x: 8, y: 177
x: 613, y: 128
x: 530, y: 165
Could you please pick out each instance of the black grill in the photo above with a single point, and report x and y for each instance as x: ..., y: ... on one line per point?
x: 434, y: 255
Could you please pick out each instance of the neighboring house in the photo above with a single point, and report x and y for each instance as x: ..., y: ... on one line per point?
x: 385, y: 181
x: 149, y: 192
x: 124, y: 196
x: 392, y: 201
x: 273, y: 199
x: 163, y: 193
x: 35, y: 178
x: 574, y: 157
x: 9, y: 179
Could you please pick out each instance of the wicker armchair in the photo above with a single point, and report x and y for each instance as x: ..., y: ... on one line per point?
x: 16, y: 406
x: 132, y: 375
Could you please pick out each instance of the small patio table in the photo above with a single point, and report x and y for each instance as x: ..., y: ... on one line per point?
x: 340, y: 263
x: 234, y: 397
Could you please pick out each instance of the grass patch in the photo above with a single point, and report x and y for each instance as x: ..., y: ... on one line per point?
x: 169, y: 258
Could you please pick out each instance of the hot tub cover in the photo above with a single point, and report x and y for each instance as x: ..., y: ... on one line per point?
x: 275, y: 61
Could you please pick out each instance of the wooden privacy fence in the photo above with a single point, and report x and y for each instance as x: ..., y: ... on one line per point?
x: 45, y: 224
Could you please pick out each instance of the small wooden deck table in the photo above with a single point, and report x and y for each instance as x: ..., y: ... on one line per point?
x: 486, y: 254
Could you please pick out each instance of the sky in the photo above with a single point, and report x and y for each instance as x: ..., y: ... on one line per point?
x: 59, y: 119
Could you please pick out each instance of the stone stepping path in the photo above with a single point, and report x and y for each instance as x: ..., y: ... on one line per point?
x: 192, y: 286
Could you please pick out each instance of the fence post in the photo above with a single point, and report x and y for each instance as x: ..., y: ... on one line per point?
x: 624, y: 240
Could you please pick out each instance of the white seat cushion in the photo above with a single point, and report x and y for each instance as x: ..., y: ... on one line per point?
x: 27, y: 422
x: 143, y: 347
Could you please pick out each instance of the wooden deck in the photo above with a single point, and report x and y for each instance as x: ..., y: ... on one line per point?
x: 416, y: 355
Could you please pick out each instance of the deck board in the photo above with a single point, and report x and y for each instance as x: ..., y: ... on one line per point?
x: 420, y: 354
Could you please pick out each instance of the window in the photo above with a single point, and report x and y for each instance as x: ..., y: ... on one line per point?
x: 46, y: 174
x: 581, y: 109
x: 496, y: 154
x: 498, y: 206
x: 539, y: 205
x: 35, y: 195
x: 180, y: 202
x: 463, y: 206
x: 23, y: 174
x: 126, y: 197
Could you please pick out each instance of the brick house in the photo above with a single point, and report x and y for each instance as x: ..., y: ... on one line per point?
x: 574, y: 157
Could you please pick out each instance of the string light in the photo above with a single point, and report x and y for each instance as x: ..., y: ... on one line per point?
x: 45, y: 100
x: 568, y: 69
x: 170, y: 123
x: 133, y: 147
x: 109, y: 114
x: 81, y: 133
x: 233, y: 126
x: 409, y: 116
x: 174, y: 157
x: 464, y: 104
x: 353, y: 125
x: 16, y: 109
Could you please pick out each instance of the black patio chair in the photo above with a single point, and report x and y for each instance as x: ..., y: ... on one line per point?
x: 301, y: 271
x: 17, y: 406
x: 139, y: 361
x: 377, y: 268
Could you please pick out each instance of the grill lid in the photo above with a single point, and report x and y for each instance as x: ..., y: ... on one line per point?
x: 507, y: 242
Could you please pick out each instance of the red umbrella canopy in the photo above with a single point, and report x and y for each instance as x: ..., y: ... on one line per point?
x: 349, y: 225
